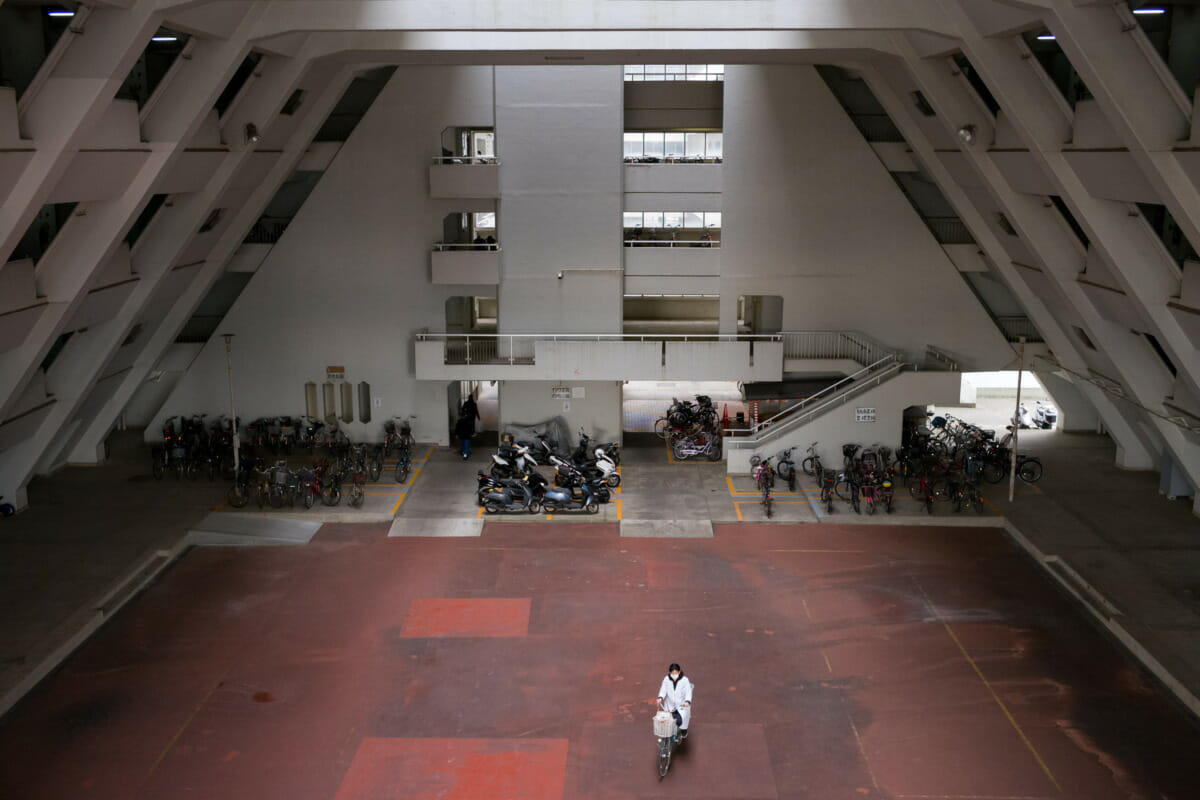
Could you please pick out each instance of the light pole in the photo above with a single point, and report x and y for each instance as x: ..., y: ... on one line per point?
x: 237, y: 439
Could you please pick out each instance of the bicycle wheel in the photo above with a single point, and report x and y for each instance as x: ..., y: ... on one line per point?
x: 809, y: 466
x: 841, y: 489
x: 662, y: 427
x: 277, y: 498
x: 356, y: 495
x: 870, y: 502
x: 1030, y: 470
x: 664, y: 759
x: 994, y: 471
x: 827, y: 496
x: 376, y: 469
x: 767, y: 503
x: 791, y: 480
x: 237, y: 496
x: 854, y: 501
x: 309, y: 498
x: 401, y: 472
x: 156, y: 469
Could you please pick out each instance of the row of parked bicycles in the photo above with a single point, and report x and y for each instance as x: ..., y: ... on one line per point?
x: 944, y: 462
x: 583, y: 479
x: 691, y: 430
x: 192, y: 447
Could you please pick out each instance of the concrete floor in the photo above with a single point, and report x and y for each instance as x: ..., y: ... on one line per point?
x: 90, y: 527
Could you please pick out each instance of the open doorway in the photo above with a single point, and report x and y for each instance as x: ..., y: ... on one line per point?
x: 988, y: 399
x: 487, y: 402
x: 643, y: 402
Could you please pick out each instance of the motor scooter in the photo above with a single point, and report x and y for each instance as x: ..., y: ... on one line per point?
x: 1023, y: 419
x: 575, y: 498
x: 508, y: 495
x: 1045, y: 415
x: 511, y: 461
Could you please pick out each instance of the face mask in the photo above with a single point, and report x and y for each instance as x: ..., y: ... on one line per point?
x: 674, y: 676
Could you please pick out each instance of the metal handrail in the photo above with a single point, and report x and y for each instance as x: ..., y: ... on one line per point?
x: 439, y: 246
x: 466, y: 160
x: 833, y: 344
x: 849, y: 379
x: 673, y: 243
x: 605, y: 337
x: 939, y: 356
x: 671, y: 160
x: 864, y: 382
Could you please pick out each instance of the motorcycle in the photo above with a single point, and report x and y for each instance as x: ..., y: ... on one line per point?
x: 509, y: 494
x: 575, y: 498
x: 511, y: 461
x: 567, y: 476
x: 1045, y: 415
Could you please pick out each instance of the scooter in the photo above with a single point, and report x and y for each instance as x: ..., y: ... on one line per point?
x: 611, y: 449
x: 599, y: 465
x: 486, y: 483
x: 511, y: 461
x: 1045, y: 416
x: 509, y: 495
x: 541, y: 449
x: 576, y: 498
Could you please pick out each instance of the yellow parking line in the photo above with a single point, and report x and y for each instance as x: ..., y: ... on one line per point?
x: 729, y: 481
x: 480, y: 514
x: 618, y: 509
x: 398, y: 502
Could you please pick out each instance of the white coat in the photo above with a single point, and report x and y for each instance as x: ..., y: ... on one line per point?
x: 674, y: 695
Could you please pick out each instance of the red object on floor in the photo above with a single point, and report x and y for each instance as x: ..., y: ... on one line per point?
x: 439, y: 617
x: 456, y: 769
x: 725, y: 416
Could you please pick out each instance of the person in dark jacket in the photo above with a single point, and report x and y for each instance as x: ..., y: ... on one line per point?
x: 464, y: 429
x: 470, y: 409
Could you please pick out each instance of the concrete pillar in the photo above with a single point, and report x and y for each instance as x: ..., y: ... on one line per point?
x: 1076, y: 412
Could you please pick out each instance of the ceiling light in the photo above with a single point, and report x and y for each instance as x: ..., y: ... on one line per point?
x: 163, y: 39
x: 1150, y: 10
x: 60, y: 13
x: 1047, y: 37
x: 251, y: 133
x: 967, y: 134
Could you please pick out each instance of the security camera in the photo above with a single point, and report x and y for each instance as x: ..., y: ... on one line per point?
x: 560, y: 276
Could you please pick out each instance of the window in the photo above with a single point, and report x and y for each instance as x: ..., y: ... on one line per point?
x: 653, y: 219
x: 712, y: 219
x: 674, y: 72
x: 485, y: 220
x: 672, y: 219
x: 693, y: 219
x: 712, y: 145
x: 693, y: 145
x: 654, y: 145
x: 631, y: 219
x: 674, y: 145
x: 633, y: 145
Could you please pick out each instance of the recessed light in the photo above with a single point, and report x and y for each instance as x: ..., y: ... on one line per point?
x: 1150, y: 10
x: 60, y: 13
x: 163, y: 39
x: 1047, y: 37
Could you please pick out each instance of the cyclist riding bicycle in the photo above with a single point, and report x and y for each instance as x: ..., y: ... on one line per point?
x: 675, y: 696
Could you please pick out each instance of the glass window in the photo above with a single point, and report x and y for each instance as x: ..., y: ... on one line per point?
x: 654, y: 72
x: 676, y: 71
x: 694, y: 145
x: 695, y: 72
x: 485, y: 220
x: 674, y: 145
x: 693, y: 219
x: 716, y: 69
x: 654, y: 145
x: 631, y: 219
x: 712, y: 145
x: 672, y: 219
x: 633, y: 145
x: 634, y: 69
x: 653, y: 219
x: 712, y: 219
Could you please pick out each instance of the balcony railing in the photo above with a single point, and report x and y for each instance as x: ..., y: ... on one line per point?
x: 672, y: 242
x: 519, y: 348
x: 493, y: 160
x: 659, y: 160
x: 440, y: 247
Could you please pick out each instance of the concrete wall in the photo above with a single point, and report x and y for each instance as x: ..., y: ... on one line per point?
x: 598, y: 412
x: 558, y: 136
x: 810, y: 213
x: 348, y: 284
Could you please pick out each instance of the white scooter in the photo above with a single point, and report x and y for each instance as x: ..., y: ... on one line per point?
x: 1023, y: 419
x: 1045, y: 416
x: 512, y: 461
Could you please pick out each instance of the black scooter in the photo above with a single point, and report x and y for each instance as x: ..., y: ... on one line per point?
x: 511, y: 494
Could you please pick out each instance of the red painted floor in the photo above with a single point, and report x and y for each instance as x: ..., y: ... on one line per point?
x: 830, y: 662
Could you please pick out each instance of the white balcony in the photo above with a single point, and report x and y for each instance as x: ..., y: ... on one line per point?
x: 442, y: 356
x: 465, y: 263
x: 463, y: 176
x: 654, y: 258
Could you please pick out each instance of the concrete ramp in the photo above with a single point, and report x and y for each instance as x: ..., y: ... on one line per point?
x: 251, y: 530
x: 418, y: 526
x: 666, y: 528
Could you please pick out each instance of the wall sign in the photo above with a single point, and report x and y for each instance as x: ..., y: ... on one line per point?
x: 864, y: 415
x: 560, y: 392
x: 577, y: 392
x: 335, y: 374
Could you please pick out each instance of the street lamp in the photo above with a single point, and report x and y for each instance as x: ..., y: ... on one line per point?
x: 237, y: 439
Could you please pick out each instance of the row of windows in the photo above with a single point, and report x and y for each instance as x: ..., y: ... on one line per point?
x: 671, y: 219
x: 640, y: 144
x: 674, y: 72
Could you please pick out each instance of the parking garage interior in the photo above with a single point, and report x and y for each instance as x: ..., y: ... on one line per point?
x: 266, y: 264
